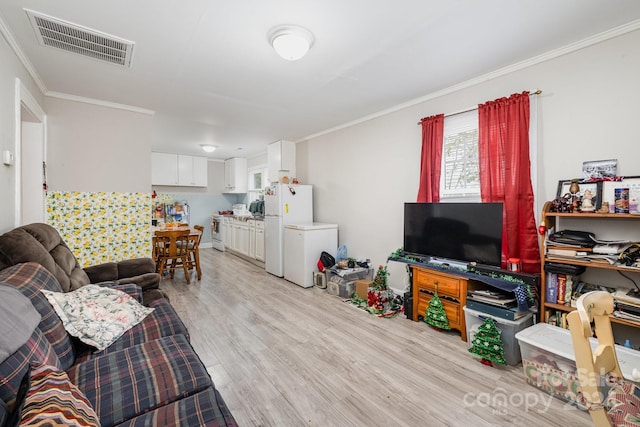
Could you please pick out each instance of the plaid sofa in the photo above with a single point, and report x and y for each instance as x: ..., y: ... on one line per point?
x: 151, y: 376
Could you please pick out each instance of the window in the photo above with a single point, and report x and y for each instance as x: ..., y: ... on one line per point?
x: 258, y: 180
x: 460, y: 175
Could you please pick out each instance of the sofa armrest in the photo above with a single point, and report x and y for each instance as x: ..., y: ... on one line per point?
x: 107, y: 272
x: 135, y: 267
x: 145, y: 281
x: 141, y: 271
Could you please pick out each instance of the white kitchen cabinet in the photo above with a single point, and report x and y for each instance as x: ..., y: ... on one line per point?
x: 245, y: 237
x: 235, y: 175
x: 192, y: 171
x: 228, y: 233
x: 281, y: 155
x: 241, y: 237
x: 178, y: 170
x: 252, y: 238
x: 164, y: 169
x: 259, y: 241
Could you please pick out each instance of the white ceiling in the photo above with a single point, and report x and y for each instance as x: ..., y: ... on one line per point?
x: 207, y: 71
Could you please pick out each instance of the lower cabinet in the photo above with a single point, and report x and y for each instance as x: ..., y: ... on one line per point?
x: 241, y: 238
x: 259, y: 241
x: 228, y: 233
x: 245, y: 238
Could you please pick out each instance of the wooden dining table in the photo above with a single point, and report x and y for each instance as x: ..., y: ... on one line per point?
x: 194, y: 239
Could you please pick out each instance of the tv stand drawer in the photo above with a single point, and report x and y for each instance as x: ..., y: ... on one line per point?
x: 444, y: 285
x: 451, y: 308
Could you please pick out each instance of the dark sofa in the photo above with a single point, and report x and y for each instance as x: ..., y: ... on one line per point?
x: 151, y: 376
x: 43, y: 244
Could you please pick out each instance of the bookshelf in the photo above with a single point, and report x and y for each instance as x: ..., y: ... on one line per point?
x: 605, y: 226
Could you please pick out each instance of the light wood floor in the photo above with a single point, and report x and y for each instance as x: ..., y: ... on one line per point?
x: 282, y: 355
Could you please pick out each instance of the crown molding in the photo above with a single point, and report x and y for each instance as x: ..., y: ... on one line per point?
x: 4, y: 30
x: 99, y: 102
x: 565, y: 50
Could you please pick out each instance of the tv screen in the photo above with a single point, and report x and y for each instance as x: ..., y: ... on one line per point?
x: 469, y: 232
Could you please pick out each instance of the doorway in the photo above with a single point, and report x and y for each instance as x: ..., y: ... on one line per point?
x: 30, y: 158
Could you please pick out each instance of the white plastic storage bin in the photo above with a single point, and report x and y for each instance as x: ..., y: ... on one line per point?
x: 549, y: 362
x: 508, y: 330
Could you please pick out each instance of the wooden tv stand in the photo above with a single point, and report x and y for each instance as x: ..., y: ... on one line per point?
x: 452, y: 290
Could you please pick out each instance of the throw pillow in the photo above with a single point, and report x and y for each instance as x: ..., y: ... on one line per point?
x: 18, y: 319
x: 96, y: 315
x: 51, y: 399
x: 624, y: 402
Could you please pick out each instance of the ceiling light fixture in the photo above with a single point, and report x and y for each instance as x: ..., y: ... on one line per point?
x: 291, y: 41
x: 208, y: 148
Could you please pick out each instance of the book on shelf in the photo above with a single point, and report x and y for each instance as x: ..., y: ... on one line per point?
x: 630, y: 297
x: 556, y: 318
x: 627, y: 308
x: 626, y: 316
x: 589, y: 257
x: 567, y: 252
x: 552, y: 288
x: 610, y: 249
x: 562, y: 287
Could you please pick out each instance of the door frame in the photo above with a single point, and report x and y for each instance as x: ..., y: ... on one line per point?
x: 24, y: 99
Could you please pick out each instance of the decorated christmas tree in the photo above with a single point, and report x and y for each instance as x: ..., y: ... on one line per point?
x: 380, y: 281
x: 487, y: 343
x: 435, y: 315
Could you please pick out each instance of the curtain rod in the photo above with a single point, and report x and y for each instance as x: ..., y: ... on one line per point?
x: 535, y: 92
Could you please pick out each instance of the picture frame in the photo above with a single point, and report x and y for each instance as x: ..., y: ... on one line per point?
x: 599, y: 169
x: 594, y: 187
x: 630, y: 182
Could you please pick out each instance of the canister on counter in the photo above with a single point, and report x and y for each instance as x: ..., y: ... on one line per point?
x: 621, y: 204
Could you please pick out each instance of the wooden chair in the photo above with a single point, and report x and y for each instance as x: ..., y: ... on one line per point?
x: 170, y: 247
x: 605, y: 410
x: 194, y: 250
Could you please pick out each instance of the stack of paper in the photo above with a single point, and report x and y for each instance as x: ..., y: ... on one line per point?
x: 627, y: 305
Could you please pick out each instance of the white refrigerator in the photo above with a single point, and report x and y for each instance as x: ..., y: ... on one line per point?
x: 303, y: 244
x: 283, y: 204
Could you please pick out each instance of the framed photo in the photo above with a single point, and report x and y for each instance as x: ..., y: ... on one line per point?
x: 609, y: 190
x: 599, y: 169
x: 594, y: 187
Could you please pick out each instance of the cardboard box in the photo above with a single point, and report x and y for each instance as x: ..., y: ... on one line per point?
x: 362, y: 288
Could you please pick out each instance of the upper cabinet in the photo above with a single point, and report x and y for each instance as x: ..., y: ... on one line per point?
x: 235, y: 175
x: 178, y: 170
x: 192, y: 171
x: 164, y: 169
x: 281, y: 155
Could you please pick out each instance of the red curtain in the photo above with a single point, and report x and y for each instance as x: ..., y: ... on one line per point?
x: 431, y: 159
x: 505, y: 175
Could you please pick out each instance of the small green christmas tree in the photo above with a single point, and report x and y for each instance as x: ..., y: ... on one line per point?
x: 487, y: 343
x: 380, y: 281
x: 435, y: 315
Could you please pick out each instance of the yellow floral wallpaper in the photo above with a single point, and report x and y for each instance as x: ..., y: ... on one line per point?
x: 102, y: 227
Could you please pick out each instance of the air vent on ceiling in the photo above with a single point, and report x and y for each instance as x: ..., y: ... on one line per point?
x: 84, y: 41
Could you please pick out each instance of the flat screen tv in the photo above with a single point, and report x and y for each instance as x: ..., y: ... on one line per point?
x: 468, y: 232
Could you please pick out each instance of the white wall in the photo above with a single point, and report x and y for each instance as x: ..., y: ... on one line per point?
x: 589, y: 110
x: 97, y: 148
x: 10, y: 69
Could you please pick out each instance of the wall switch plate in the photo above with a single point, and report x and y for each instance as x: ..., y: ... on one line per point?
x: 7, y: 157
